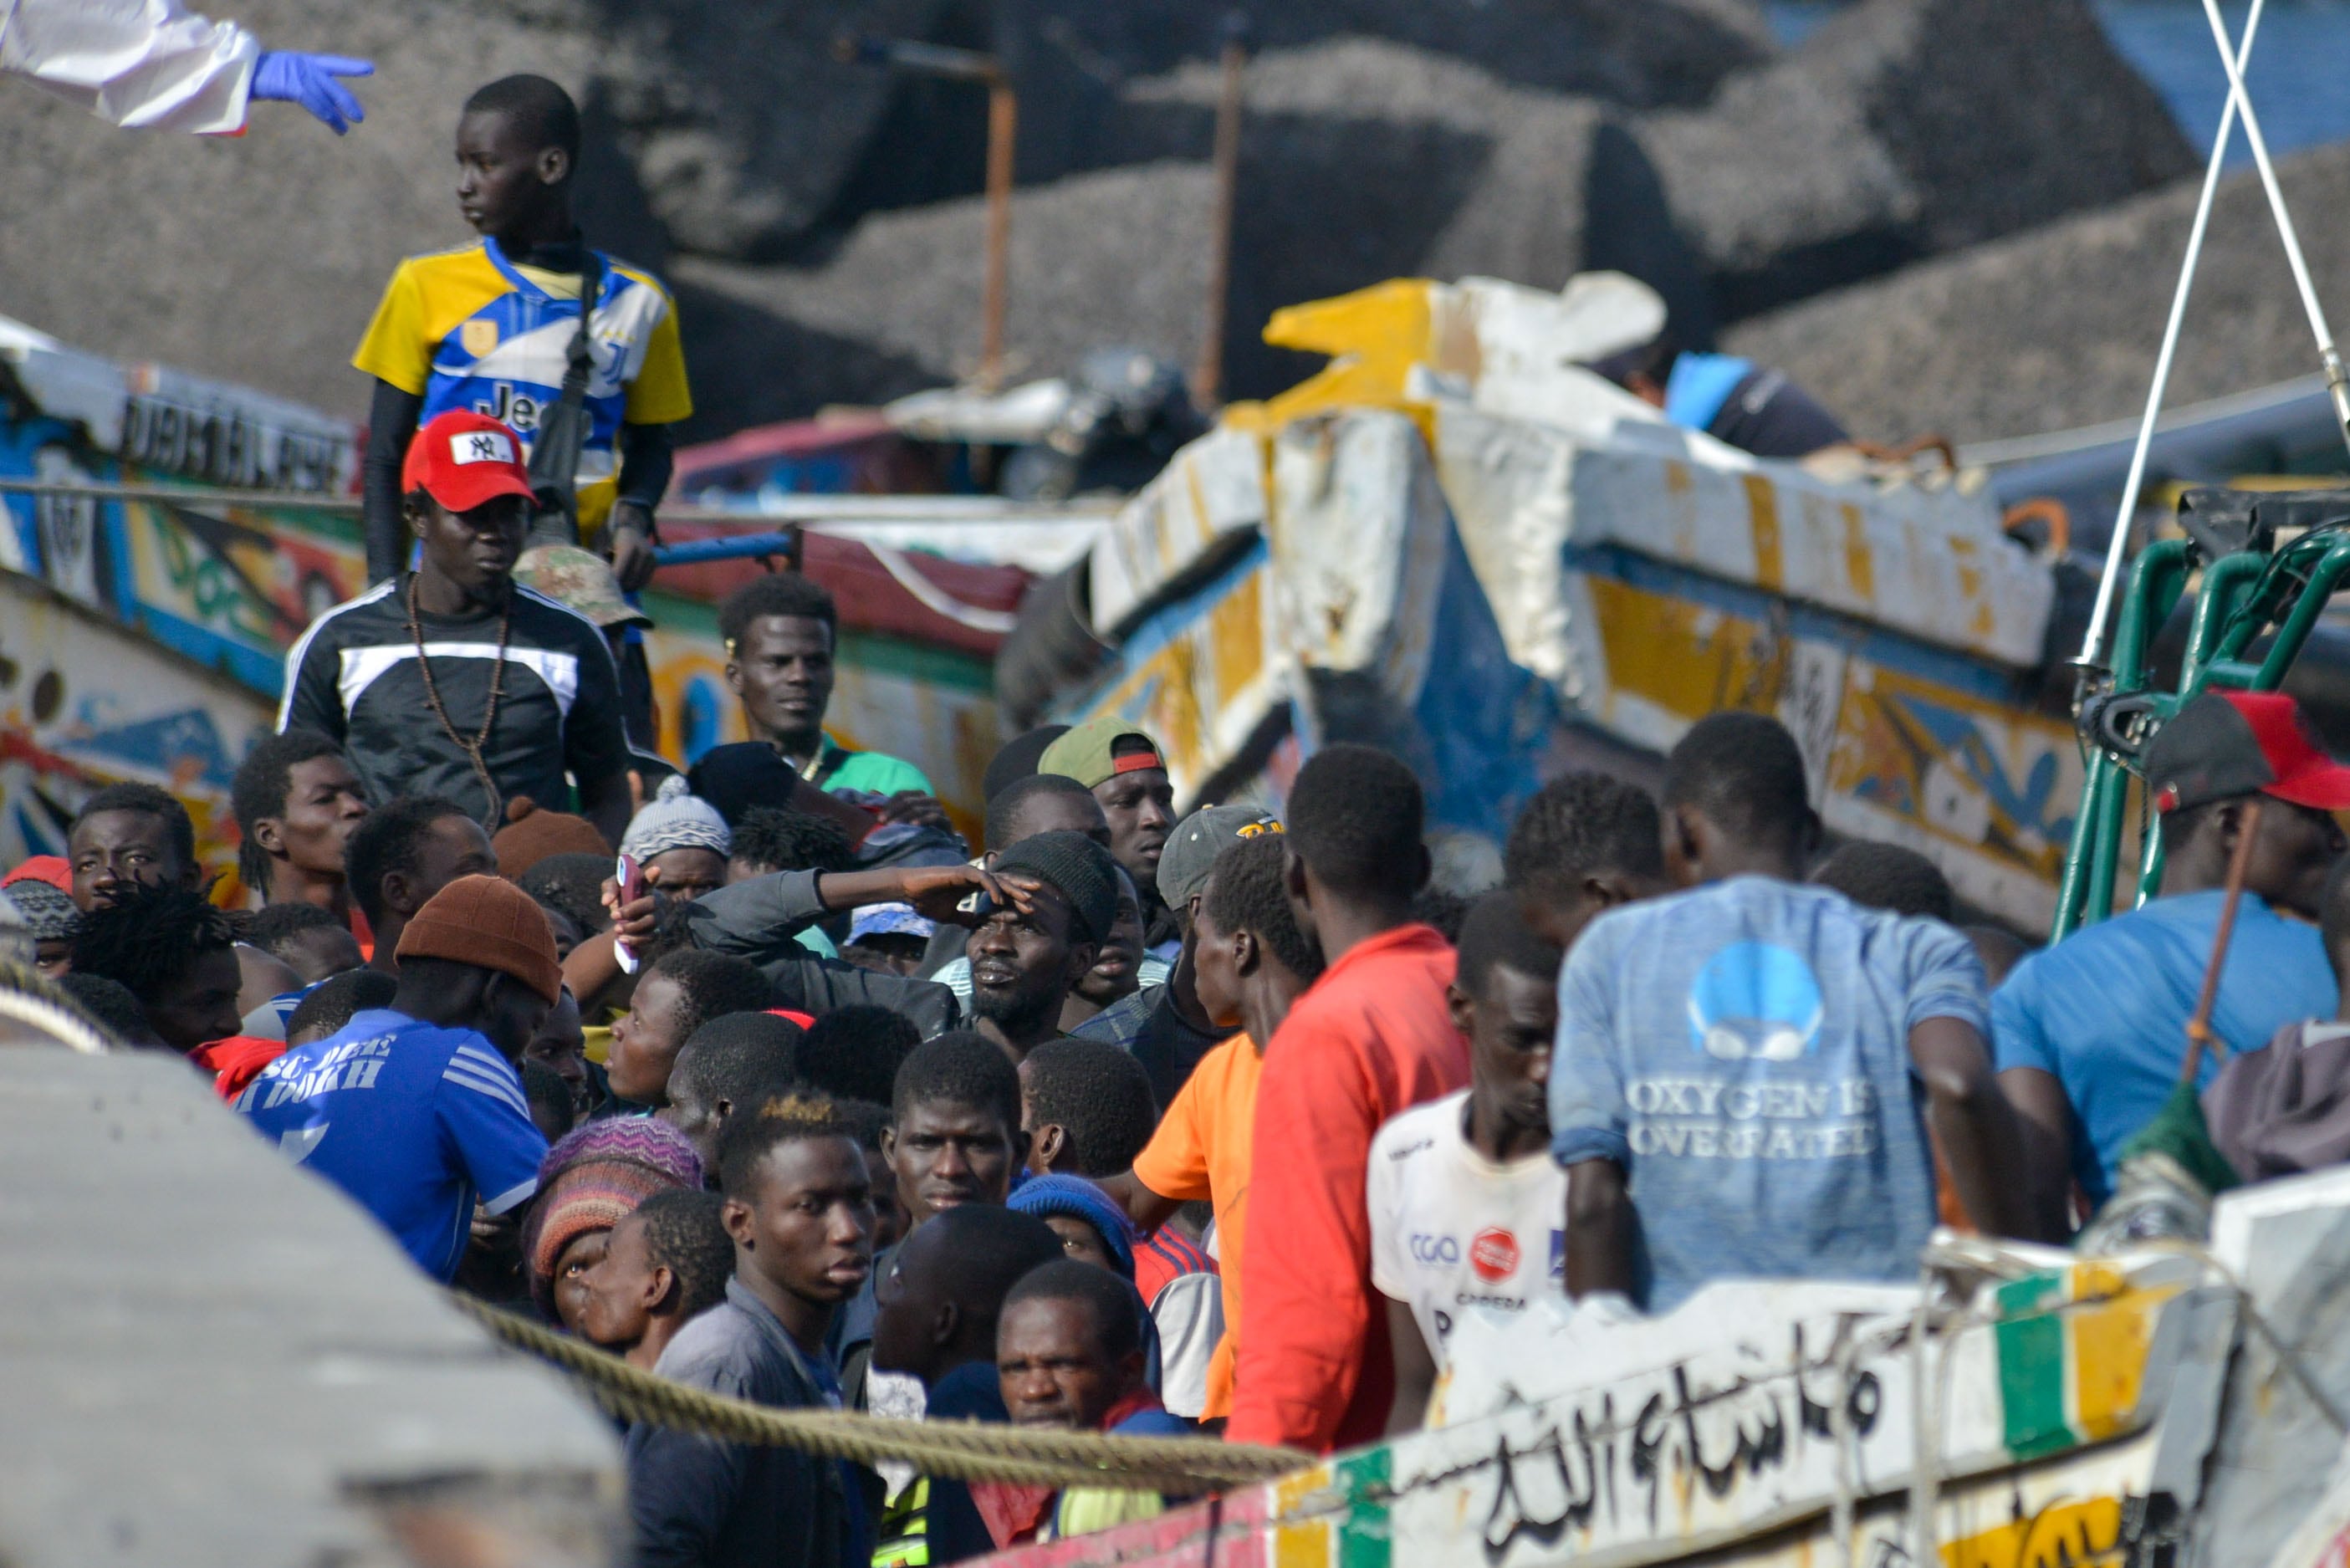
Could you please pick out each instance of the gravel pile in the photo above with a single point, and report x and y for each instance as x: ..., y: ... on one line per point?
x: 260, y: 258
x: 1906, y: 129
x: 1363, y: 160
x: 2058, y: 327
x: 1635, y: 53
x: 1115, y: 258
x: 819, y: 222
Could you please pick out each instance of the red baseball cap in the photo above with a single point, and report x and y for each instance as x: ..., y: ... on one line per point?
x: 462, y: 459
x: 50, y: 868
x: 2224, y: 744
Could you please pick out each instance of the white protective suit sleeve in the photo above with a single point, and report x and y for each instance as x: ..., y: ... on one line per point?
x: 151, y: 64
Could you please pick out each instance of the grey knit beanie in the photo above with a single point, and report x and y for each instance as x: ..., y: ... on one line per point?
x: 50, y: 913
x: 676, y: 819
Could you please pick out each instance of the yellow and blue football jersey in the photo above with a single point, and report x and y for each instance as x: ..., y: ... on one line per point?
x: 467, y: 328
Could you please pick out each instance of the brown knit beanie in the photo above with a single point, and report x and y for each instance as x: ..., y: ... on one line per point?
x: 531, y: 833
x: 490, y: 924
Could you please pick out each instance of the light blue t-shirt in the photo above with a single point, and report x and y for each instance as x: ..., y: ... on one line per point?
x: 2104, y: 1010
x: 413, y: 1120
x: 1698, y: 385
x: 1742, y: 1051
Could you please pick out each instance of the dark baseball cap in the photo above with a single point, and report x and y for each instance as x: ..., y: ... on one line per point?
x: 1198, y: 839
x: 2224, y: 744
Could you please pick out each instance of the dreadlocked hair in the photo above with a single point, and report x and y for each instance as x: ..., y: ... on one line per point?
x: 151, y: 938
x: 777, y: 838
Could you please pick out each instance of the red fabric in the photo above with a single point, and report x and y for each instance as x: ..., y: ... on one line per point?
x: 2305, y: 775
x: 1015, y: 1513
x: 236, y: 1061
x: 1372, y: 1037
x: 50, y: 868
x: 1163, y: 1257
x: 806, y: 1021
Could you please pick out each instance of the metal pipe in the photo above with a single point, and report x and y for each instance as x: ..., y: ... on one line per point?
x: 2086, y: 892
x: 939, y: 60
x: 2338, y: 384
x: 852, y: 48
x: 2226, y: 582
x: 814, y: 509
x: 1003, y: 131
x: 1208, y: 377
x: 733, y: 547
x: 2093, y: 645
x: 2293, y: 632
x: 181, y: 494
x: 2073, y: 895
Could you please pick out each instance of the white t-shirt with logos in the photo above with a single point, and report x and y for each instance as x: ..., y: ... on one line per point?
x: 1451, y: 1230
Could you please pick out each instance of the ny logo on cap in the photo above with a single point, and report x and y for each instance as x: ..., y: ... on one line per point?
x: 480, y: 446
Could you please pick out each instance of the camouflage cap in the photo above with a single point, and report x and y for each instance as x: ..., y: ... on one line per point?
x: 580, y: 578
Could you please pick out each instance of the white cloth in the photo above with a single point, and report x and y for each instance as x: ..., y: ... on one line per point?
x: 1189, y: 1312
x: 145, y: 63
x: 1451, y: 1231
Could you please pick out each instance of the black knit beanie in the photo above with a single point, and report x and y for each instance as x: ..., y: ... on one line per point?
x: 1079, y: 867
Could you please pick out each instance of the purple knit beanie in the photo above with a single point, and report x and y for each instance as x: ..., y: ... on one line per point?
x: 594, y: 1178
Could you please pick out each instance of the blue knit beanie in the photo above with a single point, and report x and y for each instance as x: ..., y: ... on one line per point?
x: 1080, y: 1198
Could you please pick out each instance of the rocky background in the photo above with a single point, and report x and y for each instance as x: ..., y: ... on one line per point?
x: 1962, y: 215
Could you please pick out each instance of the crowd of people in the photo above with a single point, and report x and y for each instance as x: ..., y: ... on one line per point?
x: 754, y: 1074
x: 1223, y: 1124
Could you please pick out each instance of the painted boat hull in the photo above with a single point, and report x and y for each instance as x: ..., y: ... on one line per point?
x: 189, y: 608
x: 2101, y: 1411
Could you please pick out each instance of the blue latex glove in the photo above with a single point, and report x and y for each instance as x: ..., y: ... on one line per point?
x: 310, y: 80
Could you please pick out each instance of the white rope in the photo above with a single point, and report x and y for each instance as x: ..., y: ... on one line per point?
x: 2093, y: 649
x: 936, y: 599
x: 2242, y: 102
x: 39, y: 1012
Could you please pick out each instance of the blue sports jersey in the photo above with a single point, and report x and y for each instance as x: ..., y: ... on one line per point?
x: 413, y: 1120
x: 467, y: 328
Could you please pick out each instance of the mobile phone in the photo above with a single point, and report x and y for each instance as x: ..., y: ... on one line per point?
x: 979, y: 905
x: 631, y: 877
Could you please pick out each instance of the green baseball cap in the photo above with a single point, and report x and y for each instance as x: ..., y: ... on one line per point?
x: 1085, y: 752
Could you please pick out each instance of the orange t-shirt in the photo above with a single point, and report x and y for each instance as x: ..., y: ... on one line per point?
x: 1201, y: 1151
x: 1372, y: 1037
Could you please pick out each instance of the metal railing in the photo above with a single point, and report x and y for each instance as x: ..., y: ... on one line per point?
x: 816, y: 511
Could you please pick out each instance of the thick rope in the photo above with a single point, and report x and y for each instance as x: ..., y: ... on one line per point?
x: 958, y: 1450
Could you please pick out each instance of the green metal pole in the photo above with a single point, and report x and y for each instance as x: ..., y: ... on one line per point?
x: 2085, y: 893
x: 2294, y: 633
